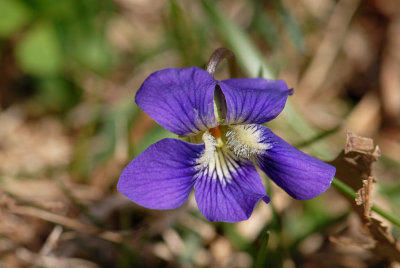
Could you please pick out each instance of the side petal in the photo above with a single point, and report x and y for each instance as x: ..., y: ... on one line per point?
x: 228, y: 189
x: 300, y: 175
x: 162, y: 176
x: 253, y: 100
x: 181, y: 100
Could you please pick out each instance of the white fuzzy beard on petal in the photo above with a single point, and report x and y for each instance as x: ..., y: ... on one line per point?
x: 246, y: 140
x: 209, y: 151
x: 216, y: 162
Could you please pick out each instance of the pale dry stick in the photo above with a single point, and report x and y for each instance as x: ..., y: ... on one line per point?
x: 49, y: 245
x: 50, y: 261
x: 66, y: 222
x: 389, y: 76
x: 327, y: 51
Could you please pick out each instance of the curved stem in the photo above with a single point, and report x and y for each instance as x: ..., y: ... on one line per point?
x: 219, y: 55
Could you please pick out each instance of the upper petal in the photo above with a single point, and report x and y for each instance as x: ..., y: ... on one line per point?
x: 181, y: 100
x: 162, y: 176
x: 253, y: 100
x: 300, y: 175
x: 227, y: 188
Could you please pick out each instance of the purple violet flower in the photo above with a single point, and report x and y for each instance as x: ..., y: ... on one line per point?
x: 227, y: 116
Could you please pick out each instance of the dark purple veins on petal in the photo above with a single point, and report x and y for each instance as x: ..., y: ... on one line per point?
x: 254, y: 100
x: 181, y: 100
x: 162, y: 176
x: 229, y: 195
x: 300, y: 175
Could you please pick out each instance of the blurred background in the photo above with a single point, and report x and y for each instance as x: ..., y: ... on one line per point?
x: 69, y: 71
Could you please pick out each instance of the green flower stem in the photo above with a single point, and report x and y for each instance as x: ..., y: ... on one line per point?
x: 344, y: 188
x: 347, y: 190
x: 386, y: 215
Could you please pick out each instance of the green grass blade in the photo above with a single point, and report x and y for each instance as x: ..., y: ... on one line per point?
x: 262, y: 253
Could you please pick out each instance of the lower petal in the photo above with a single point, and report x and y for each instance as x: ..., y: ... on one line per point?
x: 228, y: 188
x: 162, y: 176
x: 300, y: 175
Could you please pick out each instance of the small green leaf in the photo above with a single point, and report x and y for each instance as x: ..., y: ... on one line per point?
x: 39, y: 52
x: 13, y: 16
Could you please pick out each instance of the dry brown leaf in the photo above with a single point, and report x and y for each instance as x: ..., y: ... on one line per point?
x: 354, y: 167
x: 354, y: 164
x: 364, y: 196
x: 357, y: 143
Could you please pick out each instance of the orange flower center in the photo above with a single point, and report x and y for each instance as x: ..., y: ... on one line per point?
x: 216, y: 132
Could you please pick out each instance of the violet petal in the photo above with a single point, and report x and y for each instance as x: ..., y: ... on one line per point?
x: 300, y: 175
x: 180, y: 100
x: 162, y: 176
x: 253, y: 100
x: 228, y: 188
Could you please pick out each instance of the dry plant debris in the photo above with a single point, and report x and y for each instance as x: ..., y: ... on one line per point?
x: 31, y: 147
x: 355, y: 168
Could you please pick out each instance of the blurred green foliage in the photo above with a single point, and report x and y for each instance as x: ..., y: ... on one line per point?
x: 54, y: 41
x: 14, y: 15
x: 57, y: 44
x: 39, y: 52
